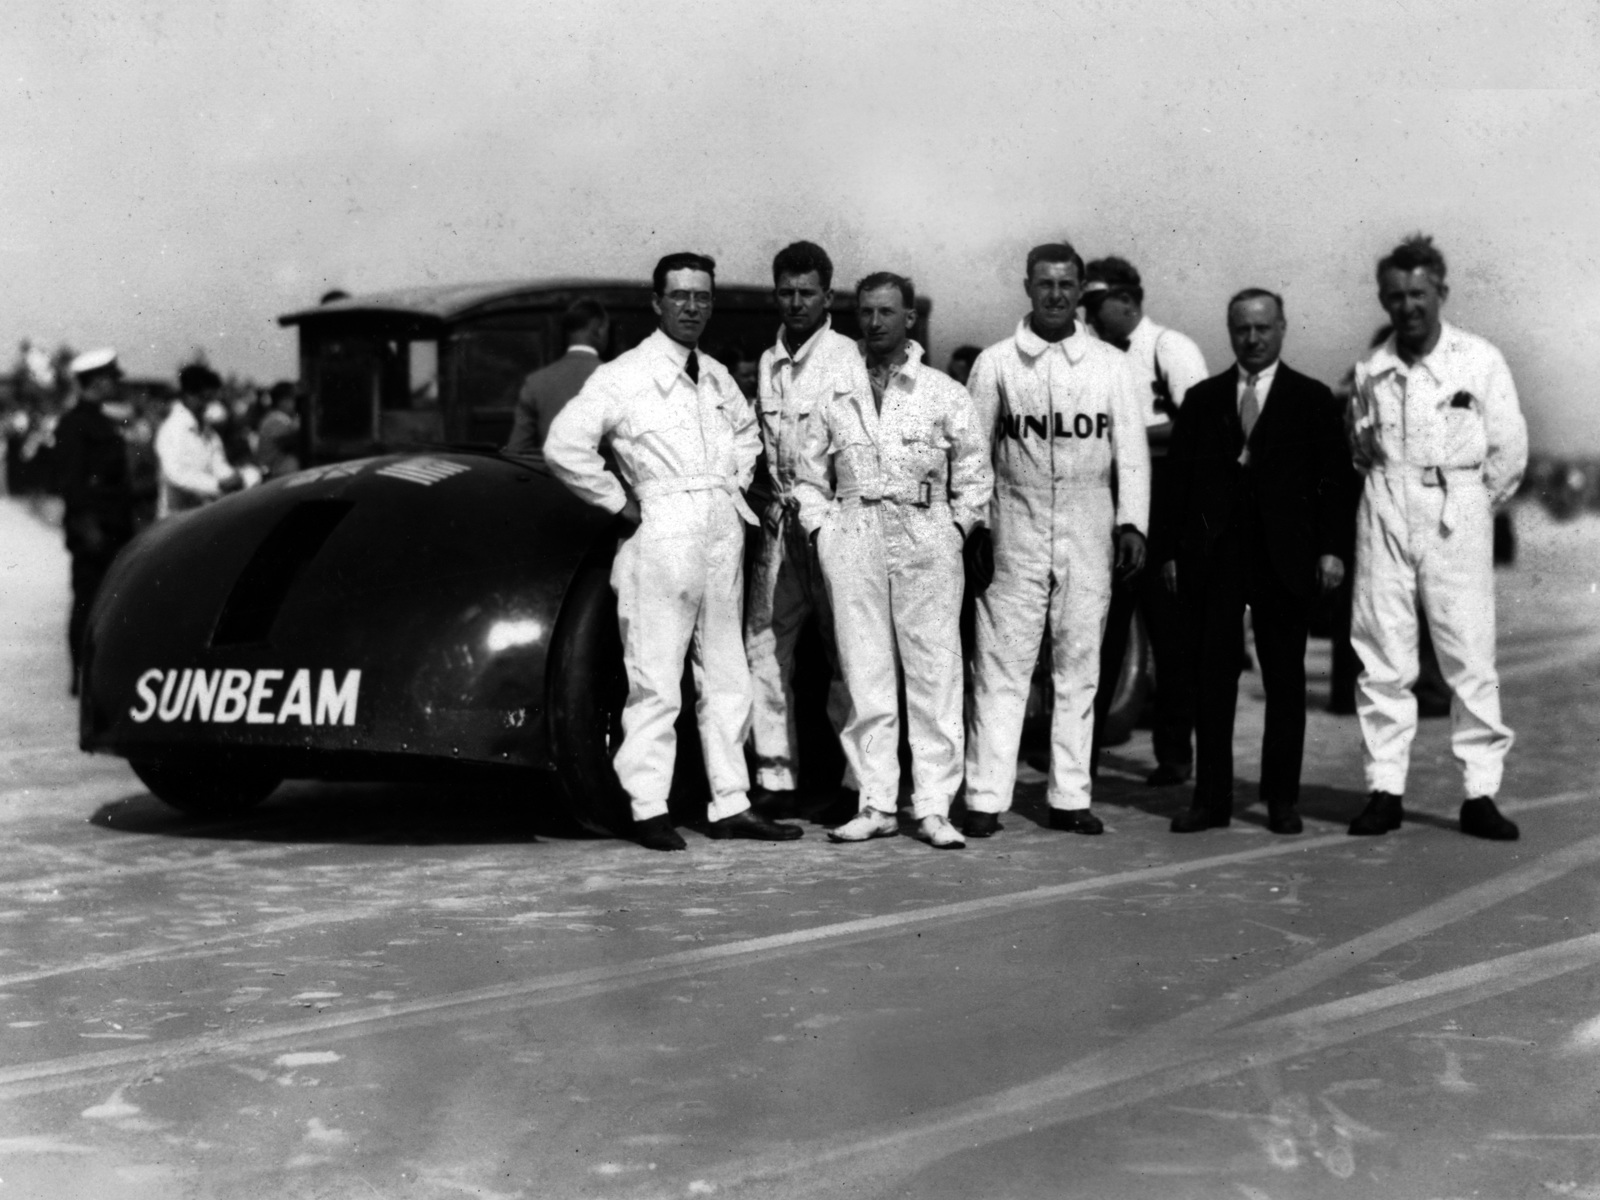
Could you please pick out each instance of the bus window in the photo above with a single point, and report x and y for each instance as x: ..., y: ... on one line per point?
x: 424, y: 374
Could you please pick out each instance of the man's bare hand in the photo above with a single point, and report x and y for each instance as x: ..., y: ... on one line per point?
x: 1169, y: 576
x: 1330, y: 573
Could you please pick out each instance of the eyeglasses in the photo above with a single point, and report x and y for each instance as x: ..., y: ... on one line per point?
x: 682, y: 299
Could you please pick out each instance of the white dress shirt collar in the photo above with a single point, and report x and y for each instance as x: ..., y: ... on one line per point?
x: 1263, y: 383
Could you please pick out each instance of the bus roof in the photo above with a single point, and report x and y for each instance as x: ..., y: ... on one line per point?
x: 452, y: 302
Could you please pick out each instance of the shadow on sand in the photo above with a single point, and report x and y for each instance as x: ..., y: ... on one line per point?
x: 388, y: 814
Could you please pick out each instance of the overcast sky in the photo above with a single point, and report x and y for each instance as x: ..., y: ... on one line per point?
x: 178, y: 174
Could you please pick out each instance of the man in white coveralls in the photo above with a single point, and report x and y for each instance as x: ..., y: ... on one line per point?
x: 1437, y: 430
x: 1072, y: 489
x: 808, y: 366
x: 685, y: 441
x: 891, y: 485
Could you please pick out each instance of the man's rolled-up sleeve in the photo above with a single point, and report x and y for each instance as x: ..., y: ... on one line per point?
x: 1181, y: 362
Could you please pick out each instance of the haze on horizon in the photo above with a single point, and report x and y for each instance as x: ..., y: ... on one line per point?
x: 179, y: 176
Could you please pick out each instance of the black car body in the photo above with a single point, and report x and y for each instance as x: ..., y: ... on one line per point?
x: 410, y: 604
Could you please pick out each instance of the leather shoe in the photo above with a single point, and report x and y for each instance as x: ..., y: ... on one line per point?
x: 1284, y: 819
x: 1200, y: 817
x: 1170, y: 774
x: 1076, y: 820
x: 774, y: 804
x: 981, y: 824
x: 750, y: 824
x: 1480, y: 818
x: 1382, y: 813
x: 657, y: 833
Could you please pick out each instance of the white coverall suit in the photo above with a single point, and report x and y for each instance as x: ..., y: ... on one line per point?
x: 906, y: 484
x: 1062, y: 416
x: 783, y: 590
x: 686, y: 451
x: 1442, y: 443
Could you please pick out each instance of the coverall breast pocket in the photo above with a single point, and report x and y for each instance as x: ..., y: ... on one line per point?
x: 659, y: 426
x: 1464, y: 441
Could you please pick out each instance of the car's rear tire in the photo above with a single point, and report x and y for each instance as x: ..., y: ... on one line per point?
x: 206, y: 787
x: 1133, y: 690
x: 588, y: 686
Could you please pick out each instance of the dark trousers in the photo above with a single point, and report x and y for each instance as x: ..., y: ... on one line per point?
x: 1219, y: 587
x: 88, y: 571
x: 1167, y: 624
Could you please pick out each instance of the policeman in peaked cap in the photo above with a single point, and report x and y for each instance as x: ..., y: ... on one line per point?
x: 95, y: 485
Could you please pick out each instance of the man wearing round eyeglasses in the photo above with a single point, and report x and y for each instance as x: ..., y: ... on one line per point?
x: 685, y: 440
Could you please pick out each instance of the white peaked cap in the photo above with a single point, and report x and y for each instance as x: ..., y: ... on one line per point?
x: 93, y: 360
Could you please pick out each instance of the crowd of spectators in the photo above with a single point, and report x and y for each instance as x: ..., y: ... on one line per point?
x: 257, y: 427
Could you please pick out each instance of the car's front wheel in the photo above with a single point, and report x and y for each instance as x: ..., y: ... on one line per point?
x: 206, y: 787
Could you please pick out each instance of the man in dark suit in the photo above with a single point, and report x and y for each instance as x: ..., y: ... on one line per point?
x: 96, y: 488
x: 1253, y: 517
x: 544, y: 393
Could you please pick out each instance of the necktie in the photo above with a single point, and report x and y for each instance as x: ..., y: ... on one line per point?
x: 1249, y: 413
x: 1249, y: 406
x: 692, y: 367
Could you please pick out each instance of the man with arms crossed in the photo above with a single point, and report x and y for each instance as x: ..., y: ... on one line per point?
x: 1065, y: 416
x: 685, y: 442
x: 1254, y: 515
x: 801, y: 373
x: 908, y: 476
x: 1437, y: 430
x: 1167, y: 364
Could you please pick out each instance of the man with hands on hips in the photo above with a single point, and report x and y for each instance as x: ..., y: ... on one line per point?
x: 685, y: 441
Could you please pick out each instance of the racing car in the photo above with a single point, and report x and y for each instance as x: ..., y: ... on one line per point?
x: 413, y: 604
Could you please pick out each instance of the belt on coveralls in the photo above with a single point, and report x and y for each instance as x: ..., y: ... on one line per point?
x: 650, y: 489
x: 1449, y: 480
x: 778, y: 510
x: 914, y: 495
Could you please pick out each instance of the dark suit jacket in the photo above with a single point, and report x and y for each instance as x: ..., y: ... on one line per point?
x: 1298, y: 465
x: 543, y: 395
